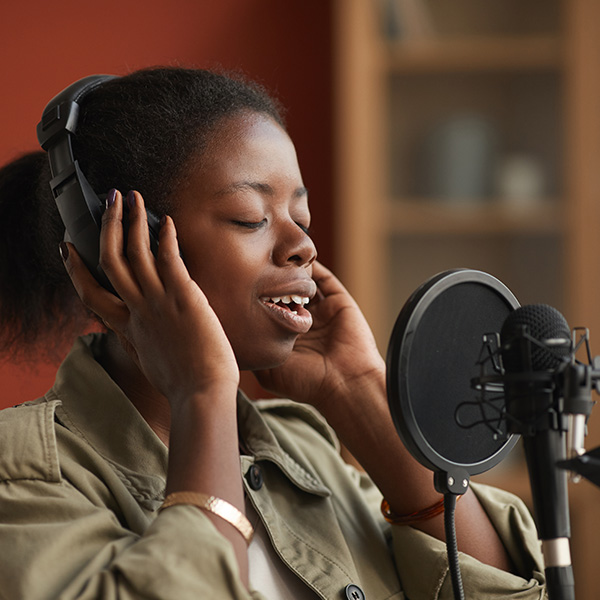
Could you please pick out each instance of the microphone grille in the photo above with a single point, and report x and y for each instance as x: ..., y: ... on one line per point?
x: 545, y: 324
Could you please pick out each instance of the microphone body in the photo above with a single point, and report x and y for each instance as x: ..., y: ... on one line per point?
x: 551, y: 509
x: 534, y: 358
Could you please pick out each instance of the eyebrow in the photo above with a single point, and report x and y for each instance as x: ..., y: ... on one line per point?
x: 262, y: 188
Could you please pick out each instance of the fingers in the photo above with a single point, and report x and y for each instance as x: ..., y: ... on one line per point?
x: 327, y: 282
x: 139, y: 256
x: 137, y: 276
x: 112, y: 258
x: 132, y: 275
x: 170, y: 265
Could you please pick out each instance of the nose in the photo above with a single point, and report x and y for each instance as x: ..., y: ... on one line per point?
x: 295, y: 247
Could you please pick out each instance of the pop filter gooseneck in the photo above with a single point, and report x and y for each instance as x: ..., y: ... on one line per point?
x: 432, y: 357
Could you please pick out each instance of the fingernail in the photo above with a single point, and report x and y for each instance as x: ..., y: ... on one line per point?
x: 64, y: 250
x: 163, y: 220
x: 131, y: 199
x: 110, y: 199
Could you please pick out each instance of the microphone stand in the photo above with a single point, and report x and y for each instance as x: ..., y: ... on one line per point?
x: 452, y: 484
x: 535, y: 405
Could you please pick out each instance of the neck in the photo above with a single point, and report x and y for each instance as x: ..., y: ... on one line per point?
x: 150, y: 403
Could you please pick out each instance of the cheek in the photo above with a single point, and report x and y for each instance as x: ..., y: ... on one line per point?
x: 227, y: 267
x: 228, y: 279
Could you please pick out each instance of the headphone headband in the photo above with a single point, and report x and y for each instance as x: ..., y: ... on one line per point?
x: 61, y: 113
x: 79, y: 205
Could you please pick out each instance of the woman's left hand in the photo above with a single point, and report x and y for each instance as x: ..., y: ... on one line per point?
x: 337, y: 354
x: 337, y: 368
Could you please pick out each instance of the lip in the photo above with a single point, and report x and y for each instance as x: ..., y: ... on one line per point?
x: 301, y: 287
x: 297, y: 323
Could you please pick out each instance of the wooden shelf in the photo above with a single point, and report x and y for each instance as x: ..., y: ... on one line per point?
x: 532, y: 68
x: 513, y: 53
x: 430, y: 217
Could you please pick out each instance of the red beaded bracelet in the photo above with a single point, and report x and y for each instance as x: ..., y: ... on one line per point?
x: 420, y: 515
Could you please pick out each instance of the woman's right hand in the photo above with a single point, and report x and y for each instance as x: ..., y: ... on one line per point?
x: 167, y: 326
x: 161, y: 316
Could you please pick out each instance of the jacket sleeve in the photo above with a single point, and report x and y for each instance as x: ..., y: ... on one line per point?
x: 423, y: 566
x: 58, y: 541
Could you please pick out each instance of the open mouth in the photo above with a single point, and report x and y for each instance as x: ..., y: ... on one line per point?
x: 289, y: 312
x: 294, y: 304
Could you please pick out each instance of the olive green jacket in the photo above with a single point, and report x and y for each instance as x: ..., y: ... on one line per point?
x: 82, y: 476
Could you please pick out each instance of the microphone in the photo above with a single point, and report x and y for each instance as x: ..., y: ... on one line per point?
x: 530, y: 385
x: 536, y: 354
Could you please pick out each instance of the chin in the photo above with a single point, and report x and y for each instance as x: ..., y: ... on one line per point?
x: 258, y: 359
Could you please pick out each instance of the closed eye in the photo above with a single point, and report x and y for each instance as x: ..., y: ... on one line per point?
x: 304, y: 228
x: 250, y: 224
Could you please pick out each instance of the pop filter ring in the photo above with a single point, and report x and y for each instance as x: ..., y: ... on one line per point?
x: 398, y: 363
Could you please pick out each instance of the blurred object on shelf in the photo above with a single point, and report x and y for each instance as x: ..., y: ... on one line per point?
x: 459, y: 158
x: 407, y: 20
x: 520, y: 180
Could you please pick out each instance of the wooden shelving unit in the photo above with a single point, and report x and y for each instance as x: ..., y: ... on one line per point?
x: 528, y: 69
x: 473, y: 53
x: 421, y: 217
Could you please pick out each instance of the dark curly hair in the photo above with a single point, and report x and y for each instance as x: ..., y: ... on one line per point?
x: 138, y: 132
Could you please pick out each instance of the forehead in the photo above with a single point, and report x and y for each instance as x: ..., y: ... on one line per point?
x: 247, y: 146
x: 246, y: 135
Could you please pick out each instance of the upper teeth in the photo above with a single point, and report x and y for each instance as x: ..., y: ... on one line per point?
x: 302, y: 300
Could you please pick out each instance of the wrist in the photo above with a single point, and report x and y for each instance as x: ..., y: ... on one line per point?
x: 355, y: 394
x: 211, y: 397
x: 204, y: 446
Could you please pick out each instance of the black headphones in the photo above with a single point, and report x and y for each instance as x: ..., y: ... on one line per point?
x: 79, y: 206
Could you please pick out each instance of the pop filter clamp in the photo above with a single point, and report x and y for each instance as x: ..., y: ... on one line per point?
x: 572, y: 378
x: 574, y: 381
x: 580, y: 380
x: 434, y: 346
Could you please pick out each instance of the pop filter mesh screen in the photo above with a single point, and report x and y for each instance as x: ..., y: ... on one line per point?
x: 443, y: 358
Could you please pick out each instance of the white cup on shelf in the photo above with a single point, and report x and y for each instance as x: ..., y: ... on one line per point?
x: 519, y: 180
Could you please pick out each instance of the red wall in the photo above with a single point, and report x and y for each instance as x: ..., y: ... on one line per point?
x: 44, y: 46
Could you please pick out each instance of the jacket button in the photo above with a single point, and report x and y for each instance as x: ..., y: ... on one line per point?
x: 353, y: 592
x: 255, y: 477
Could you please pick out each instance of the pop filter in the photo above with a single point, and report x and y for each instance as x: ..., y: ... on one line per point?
x: 432, y: 357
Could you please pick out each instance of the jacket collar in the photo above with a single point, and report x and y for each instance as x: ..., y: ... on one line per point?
x: 94, y: 408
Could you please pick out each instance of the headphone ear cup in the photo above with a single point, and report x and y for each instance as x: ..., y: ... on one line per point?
x: 153, y: 230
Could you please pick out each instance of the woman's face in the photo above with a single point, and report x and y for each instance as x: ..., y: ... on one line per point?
x: 241, y: 219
